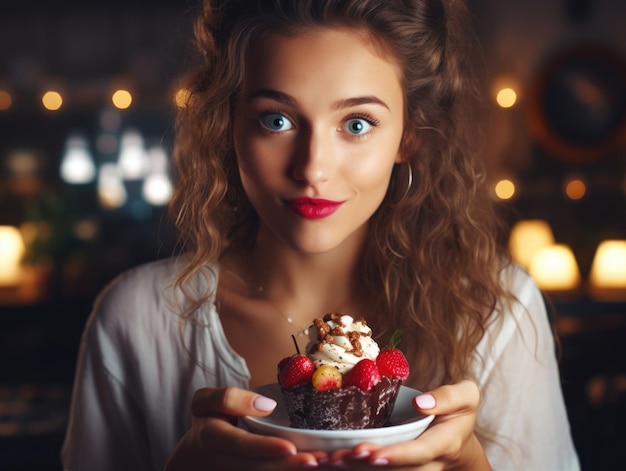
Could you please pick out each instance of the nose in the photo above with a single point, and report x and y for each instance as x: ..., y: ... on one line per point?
x: 315, y: 157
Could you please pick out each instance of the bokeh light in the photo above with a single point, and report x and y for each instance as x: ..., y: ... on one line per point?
x: 506, y: 97
x: 52, y: 100
x: 181, y: 97
x: 505, y: 189
x: 575, y: 189
x: 5, y: 100
x: 122, y: 99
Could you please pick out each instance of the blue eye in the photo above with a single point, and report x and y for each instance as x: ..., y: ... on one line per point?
x: 275, y: 122
x: 357, y: 126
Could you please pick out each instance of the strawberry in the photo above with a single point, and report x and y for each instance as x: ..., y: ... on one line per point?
x: 326, y: 377
x: 364, y: 375
x: 282, y: 363
x: 391, y: 361
x: 297, y: 370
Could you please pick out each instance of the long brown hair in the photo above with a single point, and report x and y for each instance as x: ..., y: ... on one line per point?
x: 432, y: 261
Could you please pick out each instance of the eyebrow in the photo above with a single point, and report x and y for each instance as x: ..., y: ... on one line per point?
x: 340, y: 104
x: 273, y: 95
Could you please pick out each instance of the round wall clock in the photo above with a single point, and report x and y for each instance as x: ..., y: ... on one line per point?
x: 577, y: 105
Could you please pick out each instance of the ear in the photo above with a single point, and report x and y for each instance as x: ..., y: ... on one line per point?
x: 408, y: 146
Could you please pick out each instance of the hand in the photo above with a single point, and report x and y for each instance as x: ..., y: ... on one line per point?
x: 448, y: 443
x: 215, y: 442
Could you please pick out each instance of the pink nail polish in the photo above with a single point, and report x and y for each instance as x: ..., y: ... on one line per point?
x: 425, y: 401
x: 380, y: 462
x: 264, y: 404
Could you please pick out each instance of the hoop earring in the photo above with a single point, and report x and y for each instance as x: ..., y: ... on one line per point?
x: 408, y: 187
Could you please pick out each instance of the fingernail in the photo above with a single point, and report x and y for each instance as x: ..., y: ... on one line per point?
x: 380, y: 462
x: 361, y: 454
x: 310, y: 464
x: 425, y: 401
x: 264, y: 404
x: 339, y: 464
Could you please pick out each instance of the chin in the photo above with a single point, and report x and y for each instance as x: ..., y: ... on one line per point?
x: 321, y: 244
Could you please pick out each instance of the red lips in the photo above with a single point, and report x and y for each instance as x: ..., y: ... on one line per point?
x: 313, y: 208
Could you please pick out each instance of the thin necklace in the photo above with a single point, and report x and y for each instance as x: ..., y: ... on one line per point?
x: 301, y: 332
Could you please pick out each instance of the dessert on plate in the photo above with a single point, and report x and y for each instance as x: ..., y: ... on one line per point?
x: 343, y: 380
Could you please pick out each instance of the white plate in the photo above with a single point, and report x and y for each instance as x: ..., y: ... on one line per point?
x: 405, y: 424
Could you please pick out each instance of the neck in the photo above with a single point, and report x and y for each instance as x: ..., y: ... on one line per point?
x: 307, y: 284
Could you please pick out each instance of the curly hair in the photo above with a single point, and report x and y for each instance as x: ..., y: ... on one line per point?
x: 433, y: 260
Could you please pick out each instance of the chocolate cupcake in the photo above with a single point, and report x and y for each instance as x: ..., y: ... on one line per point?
x: 339, y: 383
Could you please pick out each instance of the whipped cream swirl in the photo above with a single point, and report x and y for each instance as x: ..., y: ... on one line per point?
x: 340, y: 341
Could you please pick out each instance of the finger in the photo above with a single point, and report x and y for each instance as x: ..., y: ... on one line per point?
x: 216, y: 434
x: 190, y: 455
x: 363, y: 450
x: 449, y: 399
x: 455, y: 406
x: 230, y: 401
x: 239, y: 463
x: 438, y: 444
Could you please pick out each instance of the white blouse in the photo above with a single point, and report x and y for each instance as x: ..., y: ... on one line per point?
x: 136, y: 376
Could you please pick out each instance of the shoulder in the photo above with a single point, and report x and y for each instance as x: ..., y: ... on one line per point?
x: 137, y: 316
x: 151, y: 286
x: 527, y: 306
x: 519, y: 283
x: 145, y: 301
x: 525, y: 299
x: 141, y: 289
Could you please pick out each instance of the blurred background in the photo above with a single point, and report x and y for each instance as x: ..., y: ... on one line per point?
x: 87, y: 96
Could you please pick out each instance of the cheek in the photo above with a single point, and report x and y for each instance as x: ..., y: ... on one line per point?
x: 261, y: 169
x: 374, y: 169
x: 259, y: 159
x: 248, y: 158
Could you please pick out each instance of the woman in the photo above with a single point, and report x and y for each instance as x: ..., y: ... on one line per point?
x: 322, y: 165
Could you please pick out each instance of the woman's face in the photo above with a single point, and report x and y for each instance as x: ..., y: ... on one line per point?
x: 317, y: 132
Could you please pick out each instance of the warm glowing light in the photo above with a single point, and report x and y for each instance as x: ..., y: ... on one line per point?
x: 506, y: 97
x: 554, y: 268
x: 5, y: 100
x: 181, y: 97
x: 111, y: 190
x: 77, y: 165
x: 133, y: 159
x: 157, y: 187
x: 122, y: 99
x: 505, y: 189
x: 11, y: 252
x: 608, y: 269
x: 52, y: 100
x: 527, y: 238
x: 575, y: 189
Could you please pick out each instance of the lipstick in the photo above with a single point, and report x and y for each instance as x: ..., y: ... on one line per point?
x: 313, y: 208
